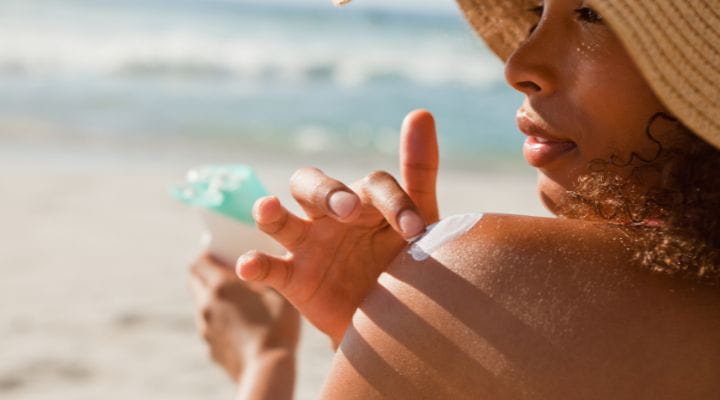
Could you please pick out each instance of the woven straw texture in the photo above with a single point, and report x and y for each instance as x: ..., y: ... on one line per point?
x: 675, y: 44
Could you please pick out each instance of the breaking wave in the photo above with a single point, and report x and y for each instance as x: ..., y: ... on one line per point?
x: 250, y: 44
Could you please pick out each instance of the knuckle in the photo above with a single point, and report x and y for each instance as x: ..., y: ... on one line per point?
x: 400, y: 199
x: 275, y: 227
x: 377, y: 176
x: 298, y: 174
x: 216, y: 292
x: 224, y: 291
x: 265, y: 267
x: 419, y: 166
x: 397, y: 202
x: 254, y: 257
x: 382, y: 186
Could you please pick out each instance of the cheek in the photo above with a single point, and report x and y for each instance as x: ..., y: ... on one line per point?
x: 616, y: 104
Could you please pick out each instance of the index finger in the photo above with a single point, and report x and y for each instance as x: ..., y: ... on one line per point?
x: 419, y: 162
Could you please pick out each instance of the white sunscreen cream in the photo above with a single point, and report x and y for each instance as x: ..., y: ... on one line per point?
x: 440, y: 233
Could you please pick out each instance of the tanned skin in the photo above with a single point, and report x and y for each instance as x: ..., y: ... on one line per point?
x: 519, y: 307
x: 530, y: 308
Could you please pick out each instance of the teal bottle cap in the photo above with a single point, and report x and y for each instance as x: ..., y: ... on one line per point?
x: 230, y: 190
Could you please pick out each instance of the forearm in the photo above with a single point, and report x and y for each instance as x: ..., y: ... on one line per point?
x: 272, y: 376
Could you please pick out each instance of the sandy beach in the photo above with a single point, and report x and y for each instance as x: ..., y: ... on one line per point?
x: 93, y: 261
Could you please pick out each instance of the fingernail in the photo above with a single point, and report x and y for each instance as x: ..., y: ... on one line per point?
x: 246, y: 273
x: 410, y: 223
x: 342, y: 203
x: 260, y: 210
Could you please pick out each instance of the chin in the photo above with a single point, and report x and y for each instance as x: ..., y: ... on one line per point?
x: 552, y: 194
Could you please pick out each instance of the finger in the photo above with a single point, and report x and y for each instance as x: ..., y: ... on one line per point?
x: 208, y: 272
x: 283, y: 226
x: 419, y: 162
x: 320, y: 195
x: 388, y: 197
x: 255, y: 266
x: 202, y: 294
x: 199, y: 289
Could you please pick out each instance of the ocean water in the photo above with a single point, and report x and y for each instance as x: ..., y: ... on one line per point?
x: 283, y: 76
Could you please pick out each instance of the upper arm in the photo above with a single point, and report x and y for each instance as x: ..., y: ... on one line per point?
x: 492, y: 315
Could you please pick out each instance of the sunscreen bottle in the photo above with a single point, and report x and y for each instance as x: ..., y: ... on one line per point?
x: 224, y: 195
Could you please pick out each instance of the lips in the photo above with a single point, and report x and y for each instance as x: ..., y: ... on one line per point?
x: 542, y: 148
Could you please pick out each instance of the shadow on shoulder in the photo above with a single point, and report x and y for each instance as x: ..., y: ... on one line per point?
x: 530, y: 308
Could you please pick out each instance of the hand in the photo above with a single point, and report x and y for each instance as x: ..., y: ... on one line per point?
x: 352, y: 233
x: 241, y: 322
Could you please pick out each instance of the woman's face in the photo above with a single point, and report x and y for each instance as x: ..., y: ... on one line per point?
x: 584, y: 98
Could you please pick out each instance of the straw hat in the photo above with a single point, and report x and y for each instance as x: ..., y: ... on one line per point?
x: 675, y: 44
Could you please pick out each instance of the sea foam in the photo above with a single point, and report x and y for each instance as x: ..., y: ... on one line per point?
x: 250, y: 44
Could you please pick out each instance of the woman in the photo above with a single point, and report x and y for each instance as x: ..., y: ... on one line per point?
x: 614, y: 299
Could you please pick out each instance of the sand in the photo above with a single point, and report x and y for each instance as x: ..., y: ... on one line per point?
x: 94, y: 300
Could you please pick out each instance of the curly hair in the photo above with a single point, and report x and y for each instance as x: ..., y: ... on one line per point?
x: 675, y: 225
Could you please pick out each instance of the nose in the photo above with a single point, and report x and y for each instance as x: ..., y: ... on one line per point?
x: 530, y: 68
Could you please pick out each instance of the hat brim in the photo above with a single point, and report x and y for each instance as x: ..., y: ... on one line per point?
x: 675, y: 47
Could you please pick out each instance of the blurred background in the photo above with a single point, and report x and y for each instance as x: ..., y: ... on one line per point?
x: 105, y: 103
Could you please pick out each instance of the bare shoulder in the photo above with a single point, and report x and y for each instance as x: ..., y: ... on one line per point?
x: 524, y: 307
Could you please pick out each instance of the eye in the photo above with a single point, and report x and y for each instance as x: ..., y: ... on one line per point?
x: 587, y: 14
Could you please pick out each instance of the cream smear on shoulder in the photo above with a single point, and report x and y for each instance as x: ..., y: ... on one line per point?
x: 440, y: 233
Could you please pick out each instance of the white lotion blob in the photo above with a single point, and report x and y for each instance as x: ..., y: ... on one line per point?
x: 440, y: 233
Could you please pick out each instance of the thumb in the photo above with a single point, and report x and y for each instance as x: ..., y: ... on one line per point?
x: 419, y: 162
